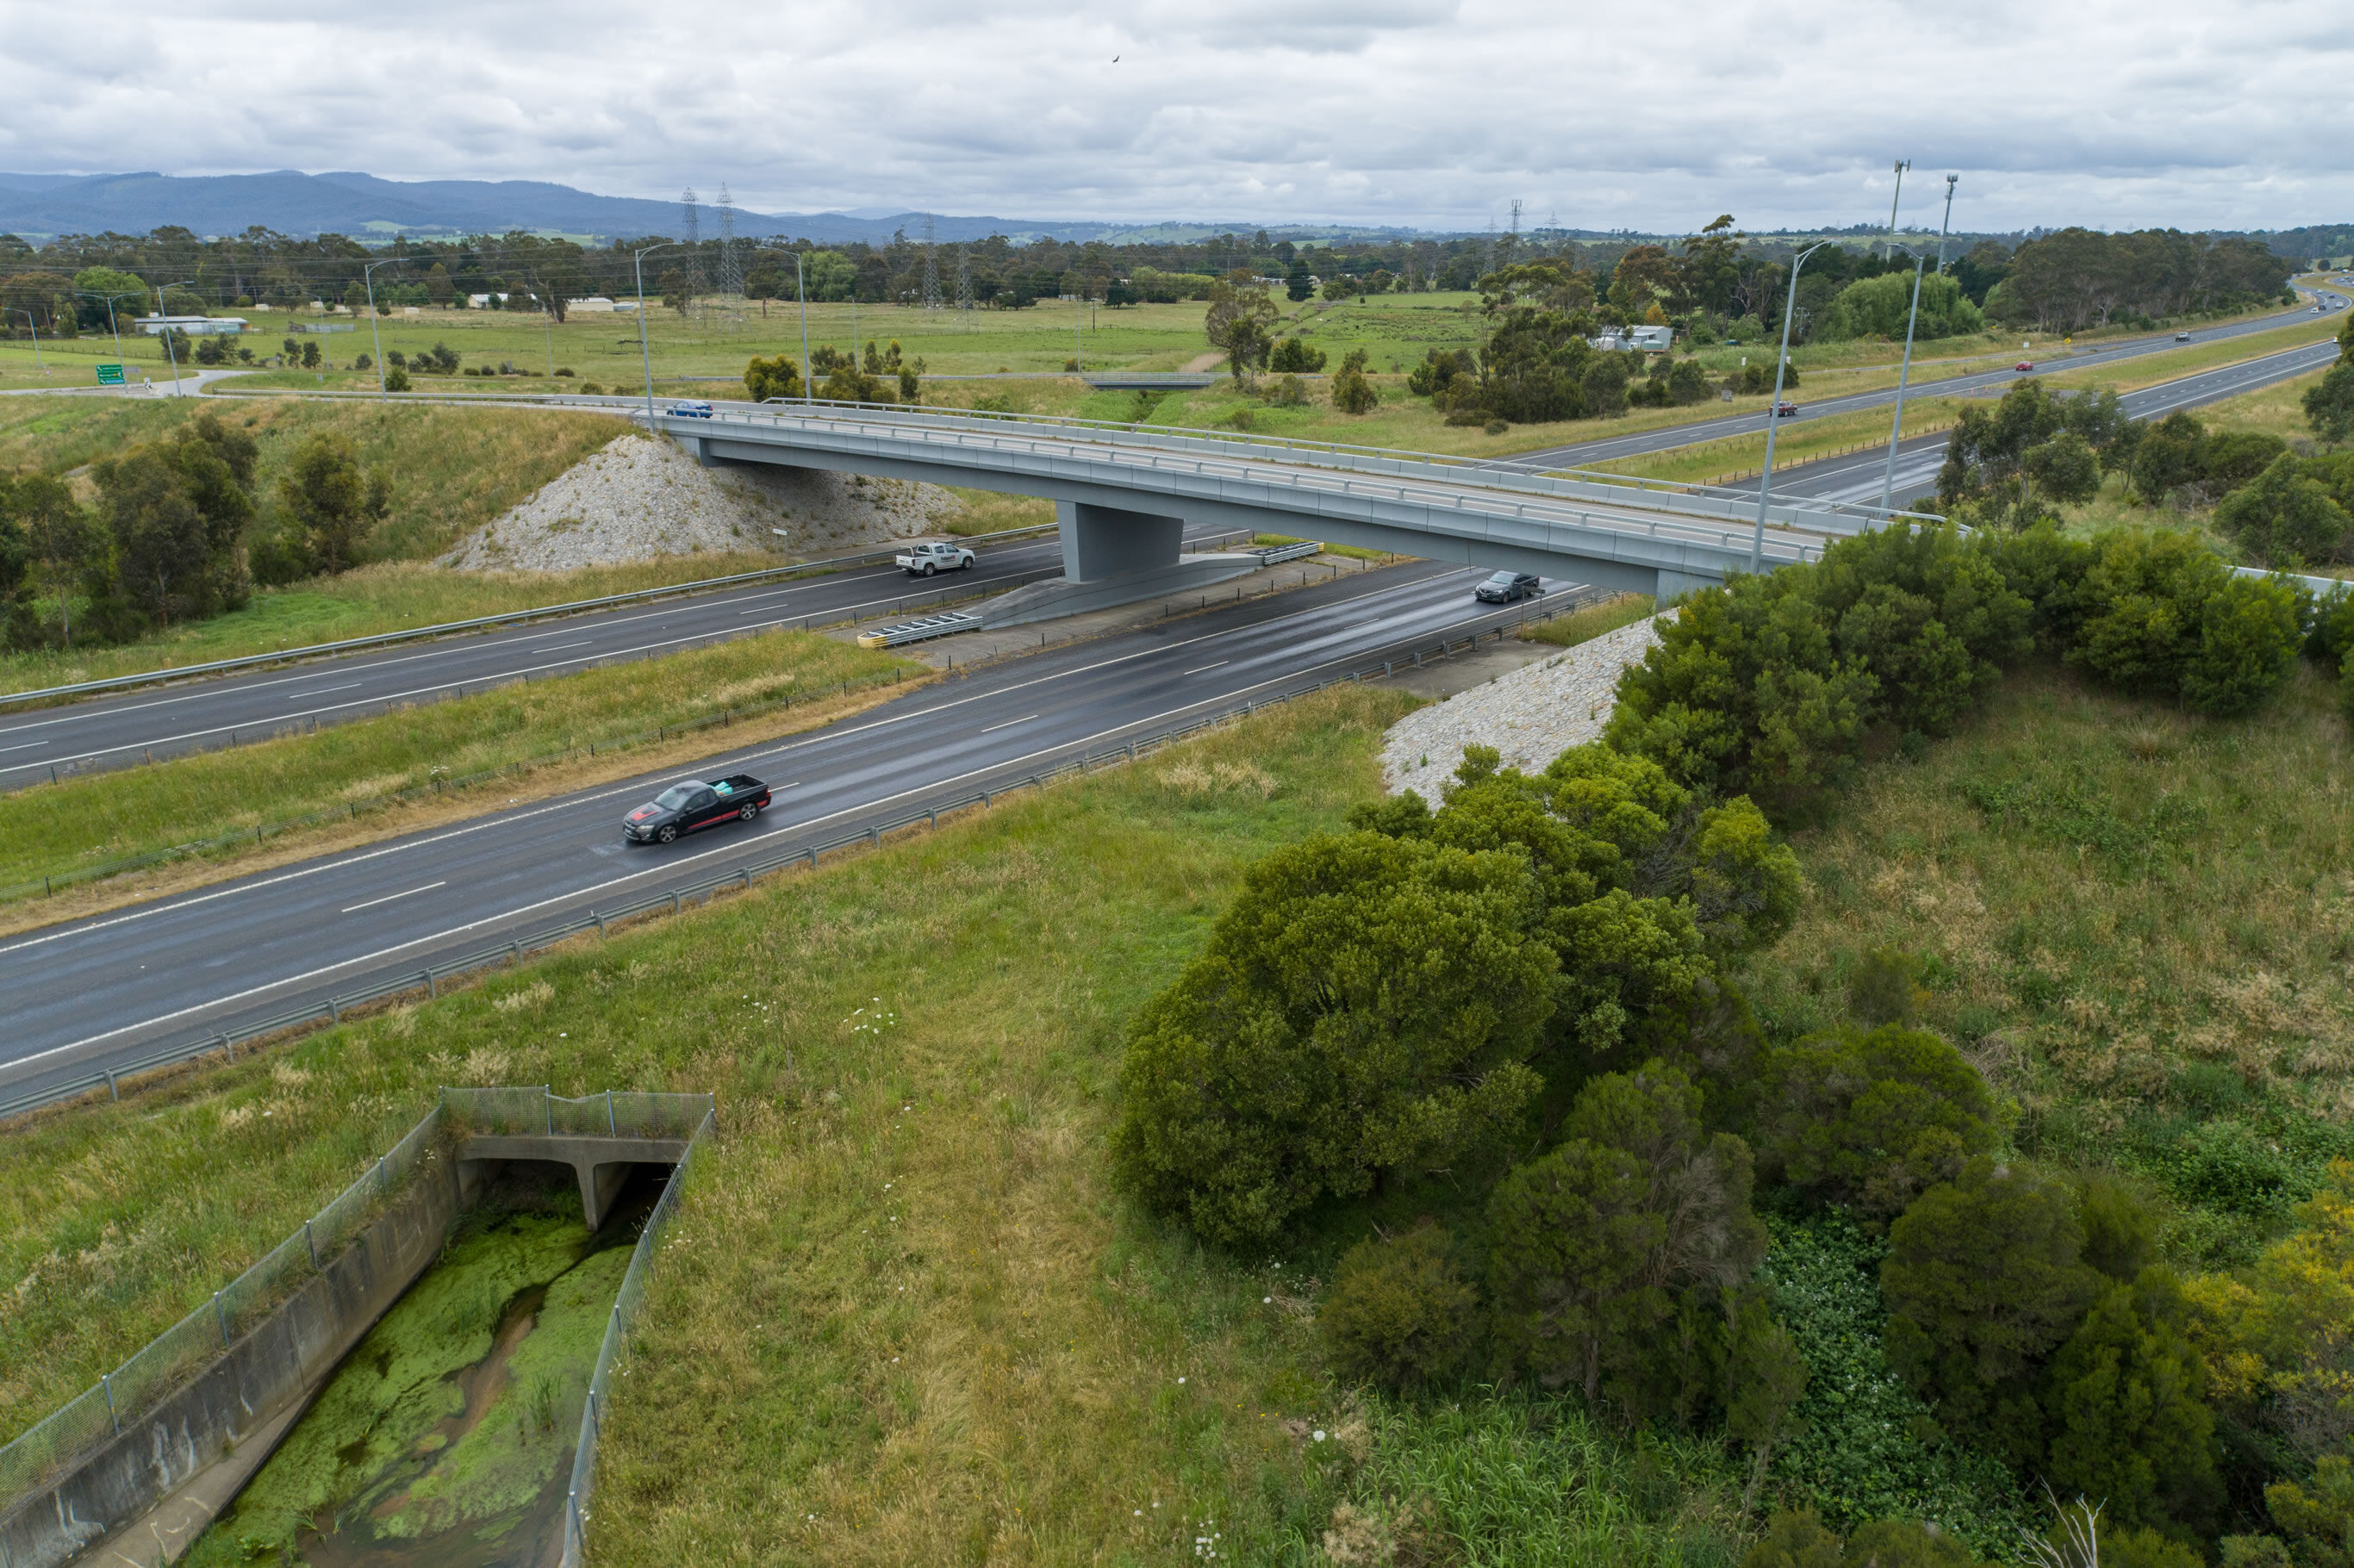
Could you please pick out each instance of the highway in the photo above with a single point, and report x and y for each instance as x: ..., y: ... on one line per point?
x: 38, y: 743
x: 205, y: 715
x: 1857, y: 477
x: 1986, y: 382
x: 94, y: 992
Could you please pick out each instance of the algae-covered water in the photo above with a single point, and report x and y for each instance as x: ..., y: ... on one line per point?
x: 445, y: 1440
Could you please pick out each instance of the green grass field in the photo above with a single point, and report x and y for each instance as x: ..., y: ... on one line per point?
x: 1586, y: 625
x: 938, y: 1335
x: 366, y: 765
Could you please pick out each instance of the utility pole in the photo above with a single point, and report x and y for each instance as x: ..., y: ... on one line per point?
x: 34, y: 327
x: 1896, y: 429
x: 376, y: 332
x: 165, y: 327
x: 800, y: 292
x: 645, y: 354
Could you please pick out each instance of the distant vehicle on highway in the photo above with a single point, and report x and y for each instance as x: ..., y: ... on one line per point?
x: 1508, y: 588
x: 2024, y: 365
x: 690, y: 410
x: 939, y: 555
x: 2182, y: 337
x: 692, y: 804
x: 1786, y: 410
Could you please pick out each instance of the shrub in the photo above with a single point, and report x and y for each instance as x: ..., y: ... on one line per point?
x: 1797, y: 1539
x: 2329, y: 407
x: 1872, y: 1118
x: 1295, y: 356
x: 395, y: 379
x: 1399, y: 1312
x: 1353, y: 391
x: 1593, y: 1244
x: 2286, y: 519
x: 1985, y: 1277
x: 1366, y: 1005
x: 2125, y: 1406
x: 766, y: 378
x: 2164, y: 618
x: 1288, y: 392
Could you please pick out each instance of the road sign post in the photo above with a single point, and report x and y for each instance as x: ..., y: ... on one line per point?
x: 109, y: 376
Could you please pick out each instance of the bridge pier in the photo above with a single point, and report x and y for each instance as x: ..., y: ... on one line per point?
x: 1101, y: 541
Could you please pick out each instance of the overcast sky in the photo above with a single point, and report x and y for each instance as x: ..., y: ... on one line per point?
x: 1429, y: 112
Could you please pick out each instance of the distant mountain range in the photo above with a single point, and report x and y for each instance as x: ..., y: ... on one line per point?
x: 40, y: 207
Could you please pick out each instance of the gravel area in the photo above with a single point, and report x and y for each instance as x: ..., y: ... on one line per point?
x: 1531, y: 716
x: 643, y: 497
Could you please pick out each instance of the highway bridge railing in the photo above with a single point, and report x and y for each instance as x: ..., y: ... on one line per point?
x: 427, y: 979
x: 486, y: 623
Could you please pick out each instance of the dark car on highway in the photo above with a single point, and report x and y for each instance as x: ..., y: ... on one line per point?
x: 692, y: 804
x: 1505, y: 588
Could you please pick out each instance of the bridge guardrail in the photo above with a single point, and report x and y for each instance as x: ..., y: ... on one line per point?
x: 428, y: 978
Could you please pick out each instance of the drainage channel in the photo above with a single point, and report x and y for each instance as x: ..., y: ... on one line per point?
x: 446, y: 1438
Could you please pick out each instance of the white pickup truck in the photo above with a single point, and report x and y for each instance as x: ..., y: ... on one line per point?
x: 939, y: 555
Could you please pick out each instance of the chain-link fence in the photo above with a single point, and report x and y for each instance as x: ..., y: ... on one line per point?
x: 617, y: 1327
x: 537, y: 1112
x: 124, y: 1395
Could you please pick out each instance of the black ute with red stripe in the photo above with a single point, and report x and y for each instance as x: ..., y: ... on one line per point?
x: 692, y: 804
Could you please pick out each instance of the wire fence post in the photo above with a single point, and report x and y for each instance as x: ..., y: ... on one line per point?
x: 611, y: 1126
x: 106, y: 1382
x: 548, y: 1106
x: 311, y: 1241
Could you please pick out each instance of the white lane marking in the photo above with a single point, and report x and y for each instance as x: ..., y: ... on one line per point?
x: 355, y: 908
x: 736, y: 848
x: 351, y: 686
x: 559, y: 647
x: 1008, y: 724
x: 26, y: 747
x: 632, y: 787
x: 1219, y: 665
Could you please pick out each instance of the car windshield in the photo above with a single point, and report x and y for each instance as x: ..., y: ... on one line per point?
x: 676, y: 795
x: 1504, y: 579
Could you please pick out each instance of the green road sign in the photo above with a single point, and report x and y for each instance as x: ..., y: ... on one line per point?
x: 109, y: 376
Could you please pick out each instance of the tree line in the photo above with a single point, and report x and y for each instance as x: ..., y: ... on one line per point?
x: 1504, y: 1042
x: 178, y: 530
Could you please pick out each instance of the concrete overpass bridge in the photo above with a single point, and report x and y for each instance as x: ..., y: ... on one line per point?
x: 1125, y: 494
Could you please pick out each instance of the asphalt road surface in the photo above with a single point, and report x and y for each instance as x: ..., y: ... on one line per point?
x: 205, y: 715
x: 1980, y: 384
x: 1857, y: 476
x: 93, y: 993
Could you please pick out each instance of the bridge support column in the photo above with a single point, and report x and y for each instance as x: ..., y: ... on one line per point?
x: 1675, y: 585
x: 1101, y: 541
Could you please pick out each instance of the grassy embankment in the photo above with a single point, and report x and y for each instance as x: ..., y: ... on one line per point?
x: 938, y: 1334
x: 1586, y: 625
x: 797, y: 680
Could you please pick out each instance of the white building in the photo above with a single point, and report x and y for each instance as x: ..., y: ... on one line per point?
x: 192, y: 326
x: 1645, y: 339
x: 595, y: 304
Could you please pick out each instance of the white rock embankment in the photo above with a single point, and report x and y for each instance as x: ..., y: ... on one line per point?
x: 641, y: 497
x: 1531, y: 715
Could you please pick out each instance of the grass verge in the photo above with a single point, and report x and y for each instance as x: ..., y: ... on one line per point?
x: 376, y: 778
x: 913, y: 1051
x: 1586, y: 625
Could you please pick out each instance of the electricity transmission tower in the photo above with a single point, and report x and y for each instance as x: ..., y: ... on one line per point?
x: 931, y: 266
x: 731, y: 264
x: 964, y: 286
x: 1512, y: 245
x: 691, y: 230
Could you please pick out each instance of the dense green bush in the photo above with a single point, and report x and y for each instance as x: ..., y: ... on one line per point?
x: 2164, y: 618
x: 1985, y: 1278
x: 2124, y: 1409
x: 1871, y: 1119
x: 2285, y: 518
x: 1366, y: 1005
x: 1399, y: 1312
x: 1295, y: 356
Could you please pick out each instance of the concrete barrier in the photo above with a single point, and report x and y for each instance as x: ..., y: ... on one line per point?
x: 259, y: 1378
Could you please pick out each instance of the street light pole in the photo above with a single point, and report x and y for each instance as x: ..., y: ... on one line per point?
x: 111, y: 323
x: 1774, y: 410
x: 169, y: 351
x: 1902, y: 165
x: 376, y: 332
x: 1896, y: 429
x: 800, y: 292
x: 645, y: 354
x: 34, y: 327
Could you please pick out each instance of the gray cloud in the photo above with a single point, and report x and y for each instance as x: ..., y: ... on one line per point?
x: 1423, y: 111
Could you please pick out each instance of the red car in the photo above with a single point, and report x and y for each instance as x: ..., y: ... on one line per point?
x: 2024, y: 365
x: 1786, y: 410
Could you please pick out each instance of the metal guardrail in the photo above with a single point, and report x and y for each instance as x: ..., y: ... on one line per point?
x: 429, y: 977
x: 513, y: 618
x: 626, y: 1304
x: 1276, y: 554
